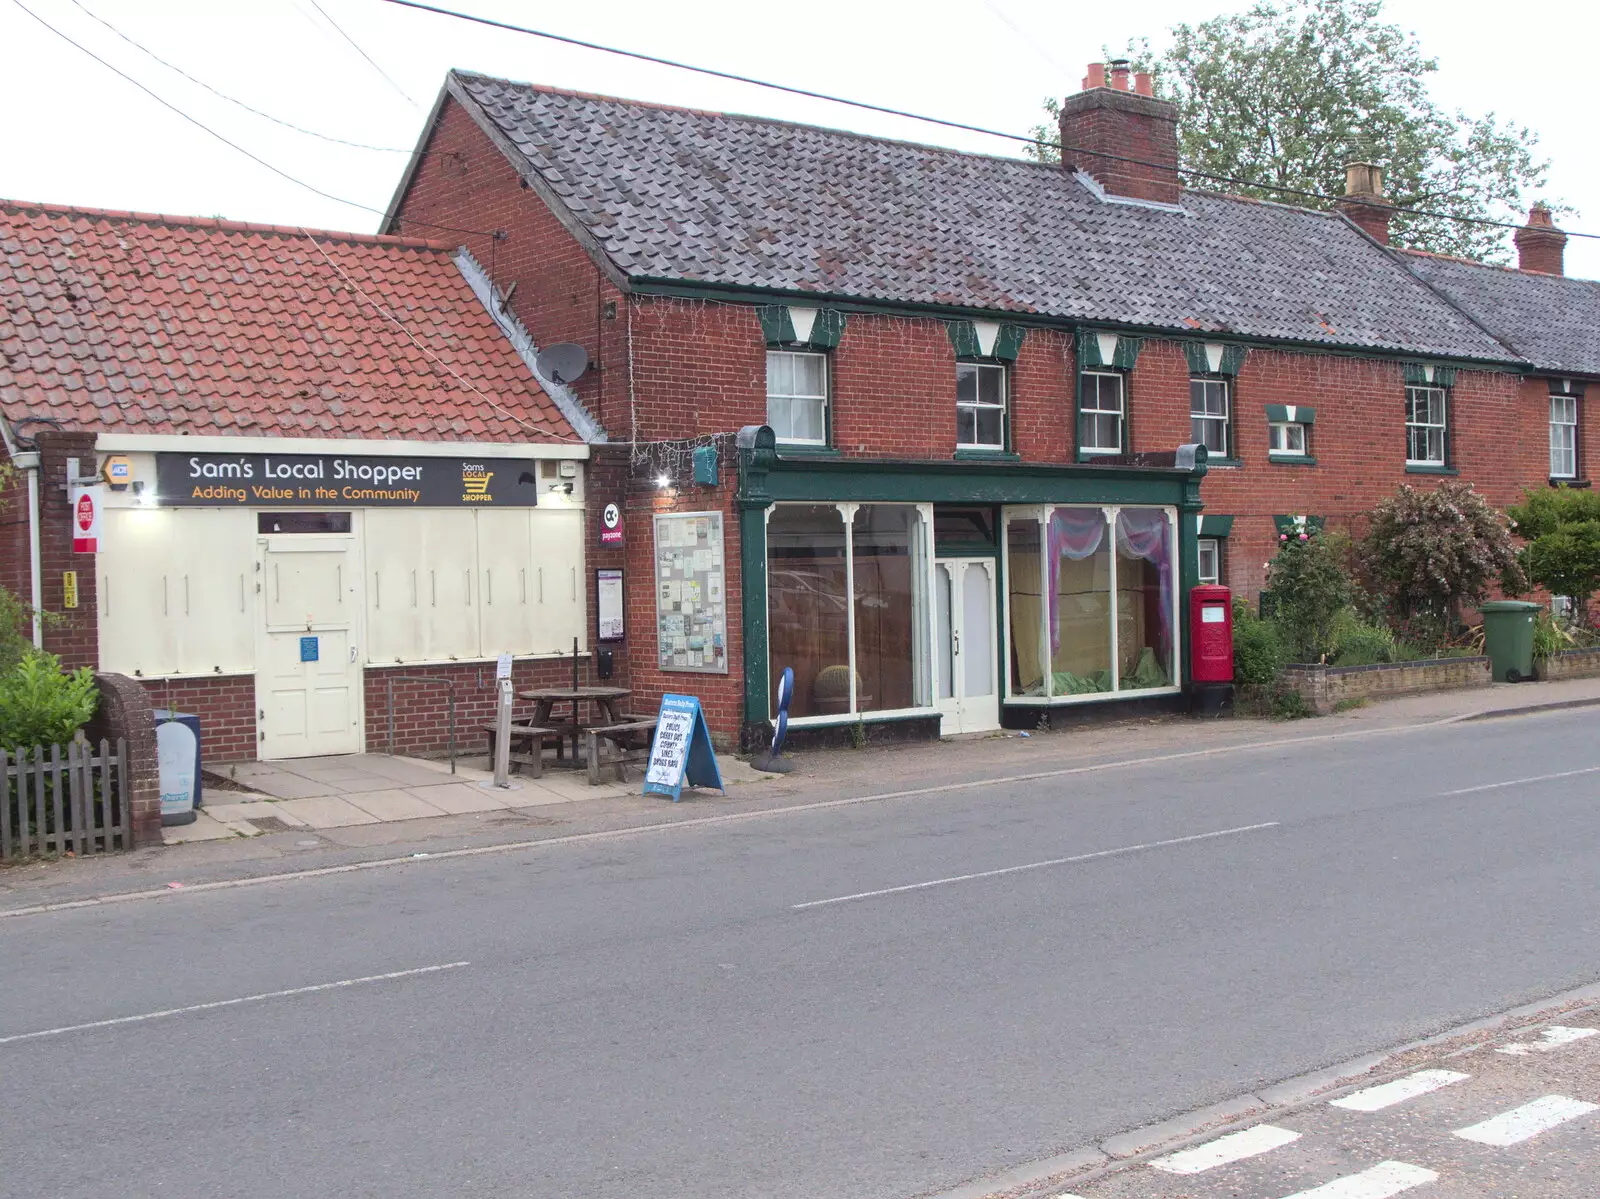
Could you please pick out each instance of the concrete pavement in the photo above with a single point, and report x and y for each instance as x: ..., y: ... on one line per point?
x: 875, y: 999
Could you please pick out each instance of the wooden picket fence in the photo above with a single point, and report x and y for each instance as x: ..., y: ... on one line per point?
x: 67, y: 798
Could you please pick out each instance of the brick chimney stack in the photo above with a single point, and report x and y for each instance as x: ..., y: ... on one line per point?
x: 1109, y: 121
x: 1363, y: 200
x: 1540, y: 245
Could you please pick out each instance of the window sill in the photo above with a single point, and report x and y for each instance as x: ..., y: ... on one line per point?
x: 972, y: 453
x: 1224, y: 463
x: 1574, y: 483
x: 1096, y: 455
x: 1292, y: 459
x: 1423, y: 468
x: 799, y: 449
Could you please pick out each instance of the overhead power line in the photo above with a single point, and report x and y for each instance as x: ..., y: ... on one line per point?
x: 370, y: 60
x: 255, y: 158
x: 145, y: 50
x: 944, y: 122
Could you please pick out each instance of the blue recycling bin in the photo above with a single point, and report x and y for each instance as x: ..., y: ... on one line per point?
x: 178, y: 765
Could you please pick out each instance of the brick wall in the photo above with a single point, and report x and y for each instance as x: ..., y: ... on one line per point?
x: 1569, y: 664
x: 1325, y: 687
x: 124, y: 714
x: 76, y: 634
x: 226, y: 706
x: 15, y: 573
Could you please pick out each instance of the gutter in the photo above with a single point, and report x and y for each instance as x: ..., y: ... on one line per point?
x: 30, y: 464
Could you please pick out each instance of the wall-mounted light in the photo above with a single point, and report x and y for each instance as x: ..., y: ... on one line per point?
x: 663, y: 480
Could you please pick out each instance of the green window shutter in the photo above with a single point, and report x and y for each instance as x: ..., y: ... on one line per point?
x: 1299, y: 413
x: 827, y: 330
x: 1127, y: 352
x: 1232, y: 360
x: 1277, y: 413
x: 1089, y: 349
x: 1215, y: 526
x: 776, y: 327
x: 1199, y: 355
x: 1444, y: 376
x: 1293, y: 526
x: 1195, y: 352
x: 1009, y: 343
x: 963, y: 337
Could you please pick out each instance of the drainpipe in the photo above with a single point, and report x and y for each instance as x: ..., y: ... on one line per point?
x: 30, y: 464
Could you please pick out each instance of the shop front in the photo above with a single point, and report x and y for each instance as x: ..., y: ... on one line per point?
x: 278, y: 587
x: 938, y: 598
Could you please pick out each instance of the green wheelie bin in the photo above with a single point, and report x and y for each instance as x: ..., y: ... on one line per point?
x: 1508, y: 638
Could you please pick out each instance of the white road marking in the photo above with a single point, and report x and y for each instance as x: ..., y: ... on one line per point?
x: 1537, y: 778
x: 220, y: 1003
x: 1554, y: 1037
x: 1381, y: 1181
x: 1082, y: 857
x: 1527, y: 1121
x: 1236, y: 1146
x: 1390, y: 1093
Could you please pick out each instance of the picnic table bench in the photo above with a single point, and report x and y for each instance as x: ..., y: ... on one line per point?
x: 527, y: 744
x: 616, y: 745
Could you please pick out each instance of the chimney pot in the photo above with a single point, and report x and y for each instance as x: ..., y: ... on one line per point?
x: 1363, y: 200
x: 1541, y: 247
x: 1144, y: 83
x: 1119, y: 74
x: 1096, y: 76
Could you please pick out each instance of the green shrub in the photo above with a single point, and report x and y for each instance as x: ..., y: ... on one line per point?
x: 1289, y: 704
x: 1258, y: 649
x: 1549, y: 638
x: 1357, y: 643
x: 1309, y: 589
x: 42, y: 705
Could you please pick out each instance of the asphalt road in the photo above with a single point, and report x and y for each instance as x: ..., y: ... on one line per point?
x: 676, y: 1014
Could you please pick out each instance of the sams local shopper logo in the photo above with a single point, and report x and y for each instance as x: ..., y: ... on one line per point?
x: 341, y: 481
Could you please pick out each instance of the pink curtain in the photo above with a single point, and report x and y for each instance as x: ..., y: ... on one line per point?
x: 1073, y: 533
x: 1145, y: 533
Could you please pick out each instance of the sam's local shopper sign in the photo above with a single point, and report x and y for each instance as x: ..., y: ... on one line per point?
x: 343, y: 481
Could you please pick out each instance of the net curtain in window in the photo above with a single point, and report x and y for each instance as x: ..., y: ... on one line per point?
x: 1146, y: 533
x: 1074, y: 533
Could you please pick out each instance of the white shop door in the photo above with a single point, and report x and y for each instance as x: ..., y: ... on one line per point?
x: 308, y: 677
x: 969, y: 691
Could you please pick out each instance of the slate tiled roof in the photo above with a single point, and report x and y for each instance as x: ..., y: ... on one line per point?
x: 1551, y: 320
x: 686, y: 196
x: 135, y: 323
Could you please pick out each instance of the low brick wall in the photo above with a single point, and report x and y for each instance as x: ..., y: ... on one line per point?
x: 1325, y: 687
x: 125, y: 713
x: 1569, y: 664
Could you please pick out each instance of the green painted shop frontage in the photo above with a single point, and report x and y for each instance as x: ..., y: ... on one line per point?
x: 918, y: 599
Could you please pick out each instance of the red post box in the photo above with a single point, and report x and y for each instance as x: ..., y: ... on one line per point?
x: 1211, y: 634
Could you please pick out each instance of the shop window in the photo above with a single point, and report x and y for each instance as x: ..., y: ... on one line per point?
x: 980, y: 406
x: 1563, y: 437
x: 1091, y: 596
x: 847, y: 606
x: 1210, y: 556
x: 797, y: 396
x: 1209, y: 416
x: 1101, y: 398
x: 1425, y: 426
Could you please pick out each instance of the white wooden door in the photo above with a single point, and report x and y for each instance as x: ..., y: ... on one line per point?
x: 308, y: 673
x: 968, y: 682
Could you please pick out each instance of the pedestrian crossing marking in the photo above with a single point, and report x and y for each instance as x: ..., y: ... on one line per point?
x: 1236, y: 1146
x: 1554, y: 1037
x: 1525, y: 1122
x: 1379, y: 1182
x: 1401, y: 1089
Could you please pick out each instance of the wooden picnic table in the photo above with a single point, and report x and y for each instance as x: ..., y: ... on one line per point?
x: 607, y: 699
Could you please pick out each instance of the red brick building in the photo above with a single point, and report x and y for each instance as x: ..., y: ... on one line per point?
x: 962, y: 384
x: 333, y: 488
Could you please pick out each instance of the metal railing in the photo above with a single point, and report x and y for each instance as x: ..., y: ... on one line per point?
x: 450, y: 687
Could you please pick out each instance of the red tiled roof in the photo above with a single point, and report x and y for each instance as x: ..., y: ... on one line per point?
x: 139, y: 323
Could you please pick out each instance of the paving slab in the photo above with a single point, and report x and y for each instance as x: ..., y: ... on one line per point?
x: 394, y: 805
x: 205, y: 827
x: 326, y: 811
x: 409, y: 772
x: 280, y: 784
x: 460, y: 798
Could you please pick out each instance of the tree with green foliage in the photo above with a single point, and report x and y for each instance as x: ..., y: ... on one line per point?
x: 1309, y: 588
x: 1427, y: 555
x: 1562, y: 555
x: 42, y: 705
x: 1290, y: 91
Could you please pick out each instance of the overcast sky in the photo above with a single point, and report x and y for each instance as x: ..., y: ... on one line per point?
x: 76, y: 133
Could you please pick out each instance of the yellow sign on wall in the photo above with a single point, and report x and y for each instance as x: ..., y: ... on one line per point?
x: 69, y: 589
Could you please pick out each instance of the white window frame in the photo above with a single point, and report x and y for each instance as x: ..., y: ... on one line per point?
x: 825, y: 397
x: 1442, y: 425
x: 1121, y: 411
x: 1213, y: 546
x: 979, y: 406
x: 1280, y: 431
x: 926, y: 650
x: 1225, y: 418
x: 1568, y: 426
x: 1041, y: 515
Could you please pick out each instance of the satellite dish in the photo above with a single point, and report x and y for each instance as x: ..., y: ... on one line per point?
x: 563, y: 362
